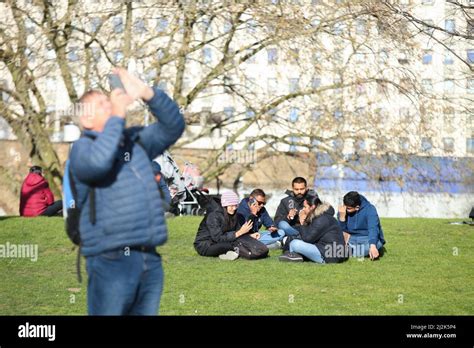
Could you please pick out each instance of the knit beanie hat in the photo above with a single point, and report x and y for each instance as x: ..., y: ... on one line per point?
x: 229, y: 198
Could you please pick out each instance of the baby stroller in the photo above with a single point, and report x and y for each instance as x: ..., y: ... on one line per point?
x: 188, y: 196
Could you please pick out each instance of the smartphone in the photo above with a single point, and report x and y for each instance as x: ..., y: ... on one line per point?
x: 115, y: 82
x: 252, y: 201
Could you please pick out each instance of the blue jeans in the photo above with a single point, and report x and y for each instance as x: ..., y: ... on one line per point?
x: 308, y: 250
x: 287, y: 228
x: 267, y: 237
x: 124, y: 283
x: 360, y: 246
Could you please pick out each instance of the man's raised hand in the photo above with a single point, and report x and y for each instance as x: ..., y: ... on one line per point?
x: 135, y: 87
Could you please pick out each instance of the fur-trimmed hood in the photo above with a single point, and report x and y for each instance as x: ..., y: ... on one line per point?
x: 323, y: 208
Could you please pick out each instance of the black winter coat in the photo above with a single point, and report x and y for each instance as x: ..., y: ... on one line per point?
x: 324, y: 232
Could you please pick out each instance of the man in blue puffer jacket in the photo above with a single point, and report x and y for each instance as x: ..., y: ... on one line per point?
x: 360, y: 222
x: 125, y: 272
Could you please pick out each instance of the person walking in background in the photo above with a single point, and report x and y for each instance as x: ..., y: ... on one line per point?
x: 121, y: 230
x: 360, y: 222
x: 36, y: 197
x: 163, y: 188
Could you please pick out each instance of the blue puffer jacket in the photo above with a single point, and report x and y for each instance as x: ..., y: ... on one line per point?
x: 365, y: 222
x: 128, y: 205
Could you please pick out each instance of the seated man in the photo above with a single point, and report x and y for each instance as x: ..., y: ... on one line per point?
x: 36, y: 197
x: 290, y: 206
x: 253, y: 208
x: 360, y: 222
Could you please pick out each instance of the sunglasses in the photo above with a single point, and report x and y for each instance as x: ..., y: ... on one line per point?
x: 260, y: 203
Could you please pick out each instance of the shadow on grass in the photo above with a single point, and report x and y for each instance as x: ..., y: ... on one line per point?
x: 8, y: 217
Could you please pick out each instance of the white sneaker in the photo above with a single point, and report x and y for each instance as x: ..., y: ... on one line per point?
x: 230, y: 255
x: 273, y: 246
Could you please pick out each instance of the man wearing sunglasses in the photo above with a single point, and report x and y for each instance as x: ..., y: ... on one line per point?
x: 253, y: 208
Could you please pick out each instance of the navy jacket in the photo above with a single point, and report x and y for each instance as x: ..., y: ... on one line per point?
x: 262, y: 218
x: 365, y: 222
x: 128, y: 206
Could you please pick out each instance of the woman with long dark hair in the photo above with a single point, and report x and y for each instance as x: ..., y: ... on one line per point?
x: 320, y: 238
x: 219, y: 230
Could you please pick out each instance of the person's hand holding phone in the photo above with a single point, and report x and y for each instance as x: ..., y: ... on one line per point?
x: 134, y: 87
x: 254, y: 207
x: 120, y: 102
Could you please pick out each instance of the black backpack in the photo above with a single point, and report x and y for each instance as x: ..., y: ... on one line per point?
x: 250, y: 248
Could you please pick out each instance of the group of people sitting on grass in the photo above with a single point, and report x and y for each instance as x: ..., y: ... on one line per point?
x: 304, y: 227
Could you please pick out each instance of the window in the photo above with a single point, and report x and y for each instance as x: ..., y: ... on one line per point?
x: 404, y: 113
x: 403, y: 57
x: 317, y: 57
x: 272, y: 56
x: 293, y: 141
x: 426, y: 144
x: 360, y: 27
x: 383, y: 56
x: 272, y: 85
x: 150, y: 75
x: 160, y: 53
x: 118, y: 56
x: 227, y: 26
x: 448, y: 57
x: 337, y: 85
x: 228, y: 84
x: 207, y: 55
x: 427, y: 85
x: 360, y: 145
x: 428, y: 26
x: 139, y: 26
x: 315, y: 82
x: 294, y: 85
x: 450, y: 25
x: 95, y: 24
x: 338, y: 144
x: 359, y: 57
x: 273, y: 114
x: 206, y: 26
x: 118, y: 24
x: 30, y: 26
x: 448, y: 144
x: 161, y: 25
x: 251, y: 26
x: 427, y: 57
x: 404, y: 144
x: 72, y: 55
x: 449, y: 86
x: 229, y: 112
x: 316, y: 114
x: 470, y: 145
x: 470, y: 56
x: 96, y: 53
x: 338, y: 114
x: 338, y: 28
x: 470, y: 86
x: 293, y: 117
x: 249, y: 114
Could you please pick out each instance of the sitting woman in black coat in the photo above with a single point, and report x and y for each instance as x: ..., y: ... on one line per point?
x: 320, y: 237
x: 219, y: 230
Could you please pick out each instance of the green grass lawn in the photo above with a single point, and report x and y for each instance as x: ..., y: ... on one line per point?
x: 418, y: 275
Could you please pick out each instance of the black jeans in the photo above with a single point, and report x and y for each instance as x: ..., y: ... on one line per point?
x: 54, y: 209
x: 214, y: 249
